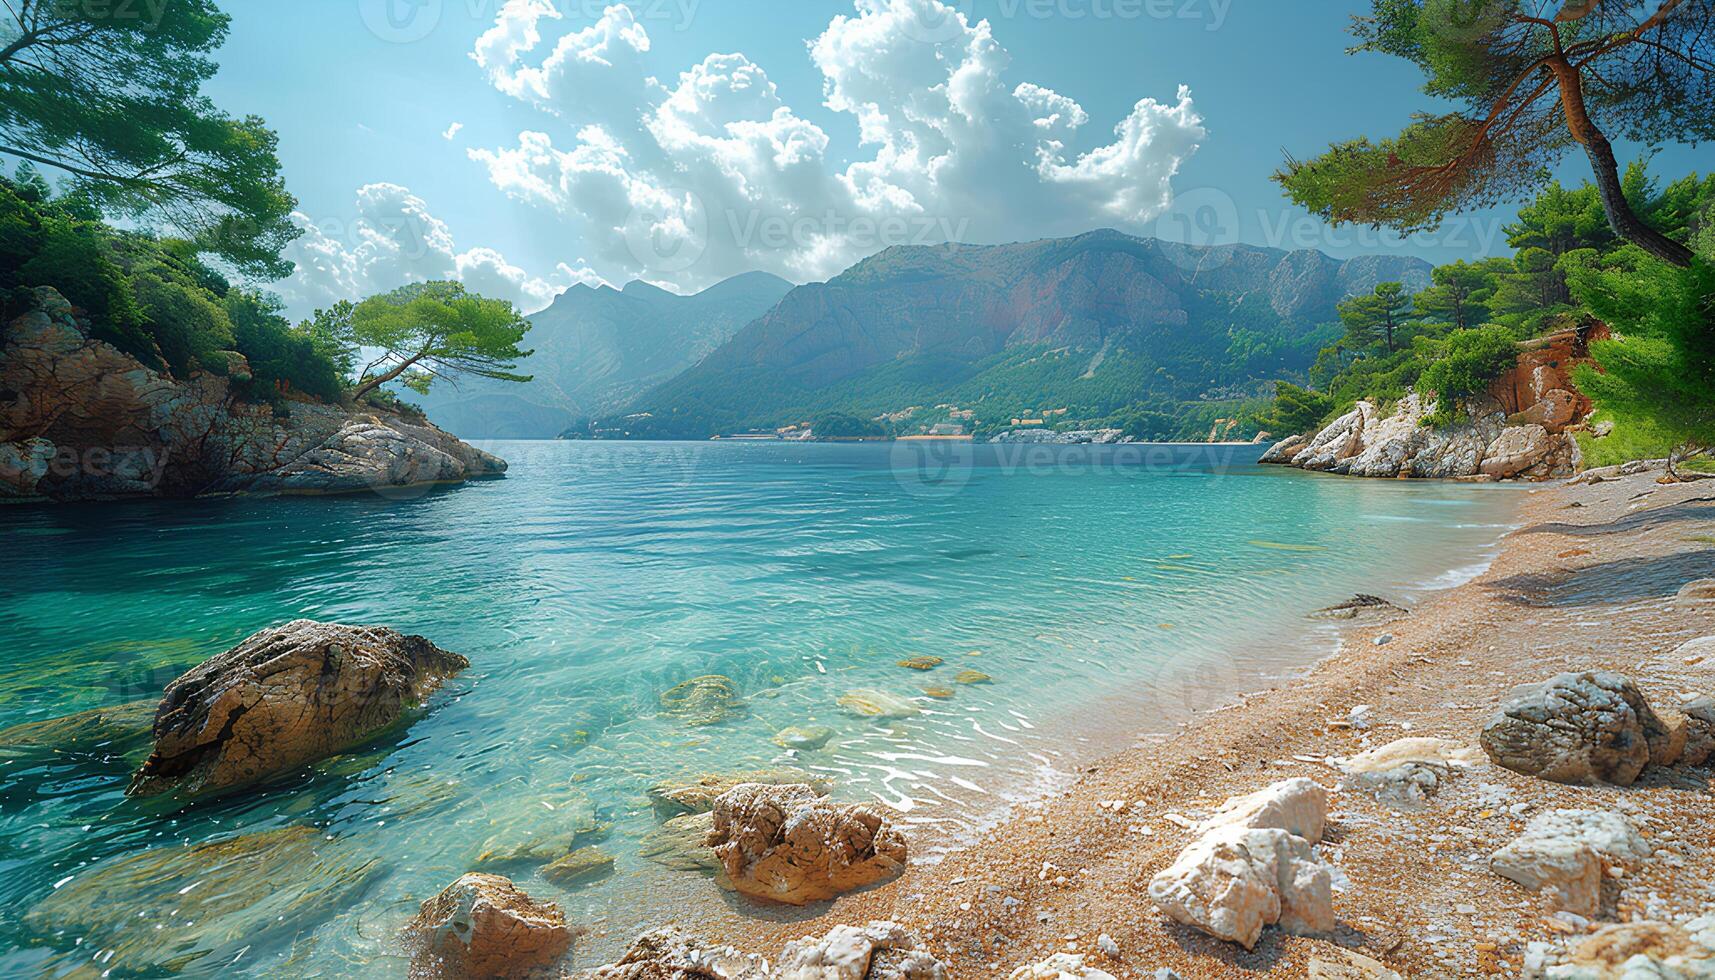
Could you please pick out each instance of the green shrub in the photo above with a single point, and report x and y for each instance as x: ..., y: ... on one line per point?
x: 1469, y: 361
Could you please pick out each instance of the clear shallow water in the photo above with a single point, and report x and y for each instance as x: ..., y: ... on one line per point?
x: 1104, y: 590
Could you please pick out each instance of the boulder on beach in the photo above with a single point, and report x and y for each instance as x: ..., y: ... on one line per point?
x: 1253, y: 866
x: 697, y: 794
x: 157, y: 911
x: 877, y: 951
x: 1574, y: 728
x: 788, y: 844
x: 707, y: 700
x: 1566, y: 854
x: 1405, y: 773
x: 283, y: 698
x: 482, y: 926
x: 1233, y: 881
x: 1696, y: 594
x: 1699, y: 731
x: 1640, y: 950
x: 671, y: 954
x: 876, y: 705
x: 1061, y: 966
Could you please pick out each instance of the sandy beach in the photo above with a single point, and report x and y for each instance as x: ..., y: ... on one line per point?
x: 1586, y: 582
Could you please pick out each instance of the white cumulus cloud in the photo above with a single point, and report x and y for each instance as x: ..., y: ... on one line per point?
x: 391, y: 240
x: 711, y: 172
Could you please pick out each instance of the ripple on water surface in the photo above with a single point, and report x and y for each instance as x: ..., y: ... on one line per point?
x: 1072, y: 600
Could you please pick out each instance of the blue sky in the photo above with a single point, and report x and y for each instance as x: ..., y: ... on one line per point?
x: 749, y: 162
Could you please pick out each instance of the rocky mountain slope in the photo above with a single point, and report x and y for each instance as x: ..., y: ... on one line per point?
x: 1522, y: 428
x: 82, y: 420
x: 1099, y: 321
x: 596, y: 348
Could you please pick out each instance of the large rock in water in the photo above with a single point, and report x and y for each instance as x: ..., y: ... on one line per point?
x: 697, y: 794
x: 787, y: 844
x: 82, y: 420
x: 159, y: 912
x: 1574, y: 728
x: 285, y: 697
x: 481, y: 927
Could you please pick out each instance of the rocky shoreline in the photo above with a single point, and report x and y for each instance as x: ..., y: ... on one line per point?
x: 1523, y: 428
x: 82, y: 420
x: 1407, y: 808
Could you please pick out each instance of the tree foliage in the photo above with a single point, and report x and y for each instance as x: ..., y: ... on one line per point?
x: 151, y: 298
x: 1528, y: 89
x: 1658, y: 373
x: 425, y: 332
x: 1376, y: 317
x: 110, y: 95
x: 1464, y: 365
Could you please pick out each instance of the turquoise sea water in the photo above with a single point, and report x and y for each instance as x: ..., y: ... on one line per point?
x: 1105, y: 591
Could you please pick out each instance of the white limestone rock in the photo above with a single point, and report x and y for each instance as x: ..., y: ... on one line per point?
x: 1061, y: 966
x: 1298, y: 806
x: 877, y: 951
x: 1566, y: 853
x: 1233, y: 881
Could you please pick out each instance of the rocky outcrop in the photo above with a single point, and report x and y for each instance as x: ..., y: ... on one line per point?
x: 1566, y: 854
x: 1574, y: 728
x: 1252, y: 867
x: 482, y: 926
x: 788, y: 844
x: 1049, y: 437
x: 1520, y: 429
x: 285, y: 697
x: 82, y: 420
x: 205, y: 903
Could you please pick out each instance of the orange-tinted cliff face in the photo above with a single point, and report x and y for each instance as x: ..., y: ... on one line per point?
x: 1541, y: 384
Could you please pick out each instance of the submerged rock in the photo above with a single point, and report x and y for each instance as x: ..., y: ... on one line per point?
x: 707, y: 700
x: 1566, y: 854
x: 877, y: 705
x: 803, y: 738
x: 1367, y: 608
x: 120, y: 730
x: 972, y: 677
x: 1574, y: 728
x: 582, y: 866
x: 539, y: 830
x: 697, y: 794
x: 877, y: 951
x: 921, y: 663
x: 788, y: 844
x: 285, y: 697
x: 162, y: 910
x: 671, y: 954
x: 482, y: 926
x: 681, y: 844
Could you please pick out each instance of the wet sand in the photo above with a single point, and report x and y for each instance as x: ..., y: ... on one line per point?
x: 1586, y: 582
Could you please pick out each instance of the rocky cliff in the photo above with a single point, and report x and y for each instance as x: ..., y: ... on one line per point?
x: 1522, y: 428
x: 81, y: 420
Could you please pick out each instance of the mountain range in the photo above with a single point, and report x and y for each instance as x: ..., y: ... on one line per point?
x: 1083, y: 327
x: 596, y: 350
